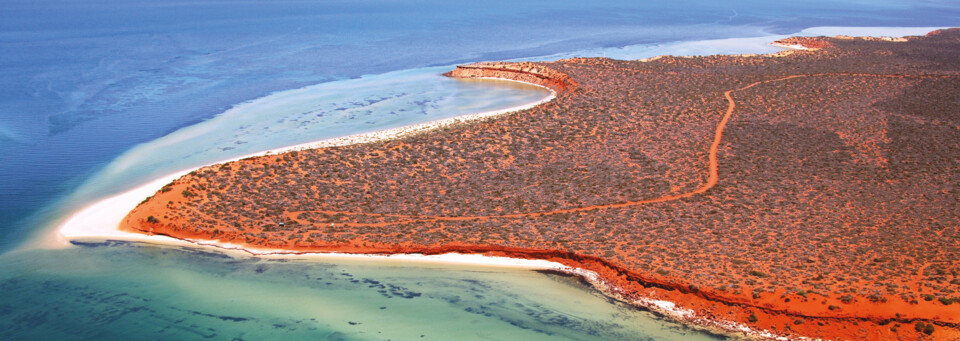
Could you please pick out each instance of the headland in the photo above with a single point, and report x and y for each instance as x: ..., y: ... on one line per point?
x: 808, y: 195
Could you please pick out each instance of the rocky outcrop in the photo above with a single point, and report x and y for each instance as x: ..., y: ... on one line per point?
x: 525, y: 72
x: 812, y: 43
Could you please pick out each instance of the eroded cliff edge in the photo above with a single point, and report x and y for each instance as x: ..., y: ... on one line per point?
x: 524, y: 72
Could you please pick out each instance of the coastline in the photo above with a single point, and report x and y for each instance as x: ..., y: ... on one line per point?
x: 100, y: 222
x: 94, y: 215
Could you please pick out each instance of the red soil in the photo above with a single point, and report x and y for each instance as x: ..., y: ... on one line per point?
x: 828, y: 206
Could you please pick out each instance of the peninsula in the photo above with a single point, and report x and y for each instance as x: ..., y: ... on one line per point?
x: 814, y: 193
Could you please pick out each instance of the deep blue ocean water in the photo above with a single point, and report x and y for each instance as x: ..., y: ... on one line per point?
x: 99, y: 96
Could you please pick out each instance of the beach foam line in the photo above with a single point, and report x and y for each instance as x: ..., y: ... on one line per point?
x: 413, y: 129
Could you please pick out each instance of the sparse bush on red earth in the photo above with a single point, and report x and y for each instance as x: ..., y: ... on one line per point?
x: 835, y: 200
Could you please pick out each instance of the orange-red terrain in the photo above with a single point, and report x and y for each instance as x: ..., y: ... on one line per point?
x: 811, y: 194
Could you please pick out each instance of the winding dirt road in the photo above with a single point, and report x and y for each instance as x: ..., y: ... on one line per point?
x: 713, y: 168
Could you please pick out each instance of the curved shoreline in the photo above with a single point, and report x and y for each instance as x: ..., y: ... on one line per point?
x: 100, y: 220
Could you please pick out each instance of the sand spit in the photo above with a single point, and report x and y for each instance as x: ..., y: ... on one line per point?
x: 100, y: 220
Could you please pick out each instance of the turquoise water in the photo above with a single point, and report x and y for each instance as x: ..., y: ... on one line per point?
x: 155, y: 293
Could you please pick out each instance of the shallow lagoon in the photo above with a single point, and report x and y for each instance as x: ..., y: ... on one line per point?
x: 126, y: 291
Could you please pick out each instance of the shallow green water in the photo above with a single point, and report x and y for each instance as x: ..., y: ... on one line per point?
x: 125, y: 291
